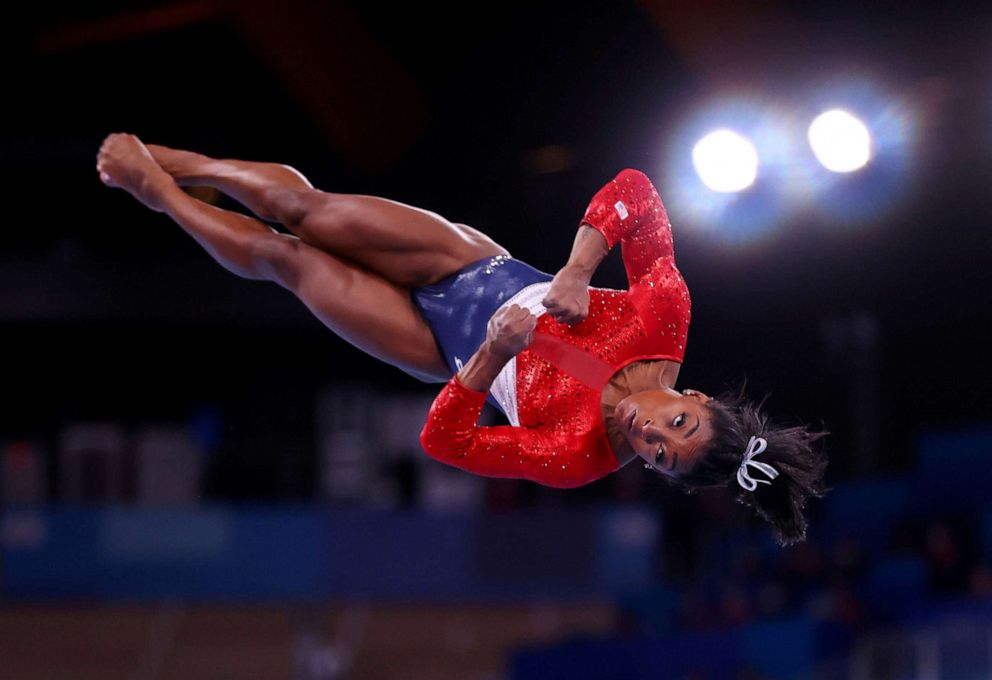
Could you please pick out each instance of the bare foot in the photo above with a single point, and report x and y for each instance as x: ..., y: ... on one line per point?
x: 124, y: 162
x: 184, y: 166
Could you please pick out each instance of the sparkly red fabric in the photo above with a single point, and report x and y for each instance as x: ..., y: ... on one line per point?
x: 561, y: 441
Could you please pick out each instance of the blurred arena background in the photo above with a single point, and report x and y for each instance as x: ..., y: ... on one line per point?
x: 199, y: 481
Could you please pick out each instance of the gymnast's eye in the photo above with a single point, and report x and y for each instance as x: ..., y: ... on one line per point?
x: 679, y: 420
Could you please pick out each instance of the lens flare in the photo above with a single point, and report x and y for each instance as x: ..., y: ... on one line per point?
x: 840, y: 141
x: 725, y: 161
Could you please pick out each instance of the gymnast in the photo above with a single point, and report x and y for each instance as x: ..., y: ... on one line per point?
x: 585, y: 376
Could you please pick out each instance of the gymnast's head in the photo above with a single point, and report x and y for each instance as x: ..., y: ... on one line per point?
x: 697, y: 441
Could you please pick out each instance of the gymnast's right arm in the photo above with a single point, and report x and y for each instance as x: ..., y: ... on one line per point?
x: 452, y: 434
x: 627, y: 210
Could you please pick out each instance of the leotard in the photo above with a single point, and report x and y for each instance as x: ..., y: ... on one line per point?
x: 559, y: 438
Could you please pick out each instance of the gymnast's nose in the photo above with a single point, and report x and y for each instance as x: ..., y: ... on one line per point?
x: 649, y: 431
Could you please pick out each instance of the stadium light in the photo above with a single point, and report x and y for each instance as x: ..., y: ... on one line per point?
x: 725, y: 161
x: 840, y: 141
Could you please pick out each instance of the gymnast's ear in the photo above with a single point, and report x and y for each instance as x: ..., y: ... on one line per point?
x: 697, y: 394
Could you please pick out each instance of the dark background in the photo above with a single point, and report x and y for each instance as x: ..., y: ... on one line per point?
x: 109, y: 311
x: 860, y: 304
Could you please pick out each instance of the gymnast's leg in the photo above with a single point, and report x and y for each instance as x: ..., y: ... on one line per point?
x: 362, y: 307
x: 408, y: 246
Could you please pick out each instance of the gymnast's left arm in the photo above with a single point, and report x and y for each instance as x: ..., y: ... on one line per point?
x: 452, y: 434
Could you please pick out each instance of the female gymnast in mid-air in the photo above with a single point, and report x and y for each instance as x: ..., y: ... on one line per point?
x: 584, y: 375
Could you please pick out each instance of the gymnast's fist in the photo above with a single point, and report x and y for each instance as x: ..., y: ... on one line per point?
x: 567, y: 300
x: 510, y: 331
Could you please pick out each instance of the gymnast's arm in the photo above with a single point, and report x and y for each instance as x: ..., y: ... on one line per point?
x: 567, y: 300
x: 453, y: 436
x: 626, y: 210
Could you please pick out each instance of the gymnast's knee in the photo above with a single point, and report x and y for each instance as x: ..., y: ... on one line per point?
x: 291, y: 205
x: 276, y: 257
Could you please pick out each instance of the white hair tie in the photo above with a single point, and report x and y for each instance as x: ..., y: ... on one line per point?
x: 755, y: 446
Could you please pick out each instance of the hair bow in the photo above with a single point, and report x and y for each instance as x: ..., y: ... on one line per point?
x: 755, y: 446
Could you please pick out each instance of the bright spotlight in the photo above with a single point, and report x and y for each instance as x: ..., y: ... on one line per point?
x: 725, y: 161
x: 840, y: 141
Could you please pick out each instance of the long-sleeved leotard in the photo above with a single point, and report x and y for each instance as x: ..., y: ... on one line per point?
x: 561, y: 440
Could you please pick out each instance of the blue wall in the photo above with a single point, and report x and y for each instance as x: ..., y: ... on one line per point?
x: 298, y: 552
x: 777, y: 649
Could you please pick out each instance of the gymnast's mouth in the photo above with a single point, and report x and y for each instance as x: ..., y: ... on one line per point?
x: 628, y: 420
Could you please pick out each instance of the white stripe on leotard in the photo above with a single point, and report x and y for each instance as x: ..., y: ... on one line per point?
x: 504, y: 388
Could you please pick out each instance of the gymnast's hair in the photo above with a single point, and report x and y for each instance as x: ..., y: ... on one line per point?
x: 790, y: 450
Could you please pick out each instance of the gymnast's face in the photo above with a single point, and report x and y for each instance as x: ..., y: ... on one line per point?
x: 668, y: 429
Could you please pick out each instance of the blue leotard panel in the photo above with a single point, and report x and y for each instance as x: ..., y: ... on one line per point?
x: 458, y: 307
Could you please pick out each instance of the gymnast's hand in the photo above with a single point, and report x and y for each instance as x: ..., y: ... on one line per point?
x: 567, y: 300
x: 510, y: 331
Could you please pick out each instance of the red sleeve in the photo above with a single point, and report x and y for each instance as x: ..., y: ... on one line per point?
x: 452, y: 435
x: 628, y: 209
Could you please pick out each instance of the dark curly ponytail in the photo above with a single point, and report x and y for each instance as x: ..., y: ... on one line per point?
x: 790, y: 450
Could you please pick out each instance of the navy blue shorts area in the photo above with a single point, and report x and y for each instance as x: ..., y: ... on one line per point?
x: 458, y: 307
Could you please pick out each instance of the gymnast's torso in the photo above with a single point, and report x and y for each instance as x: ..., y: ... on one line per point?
x: 559, y: 392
